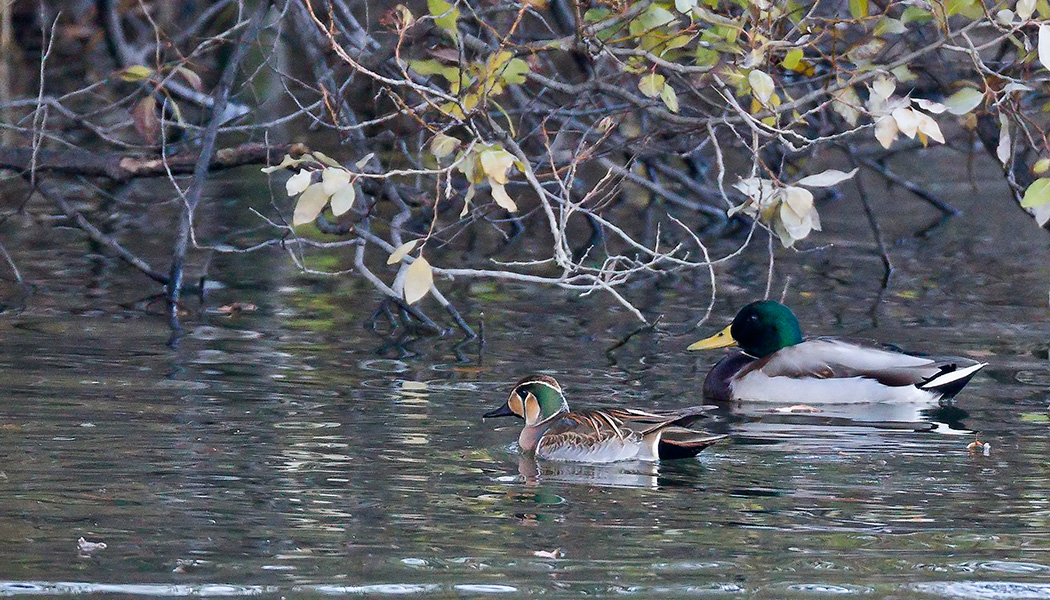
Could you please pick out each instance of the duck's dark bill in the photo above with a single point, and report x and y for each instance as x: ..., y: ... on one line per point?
x: 503, y: 411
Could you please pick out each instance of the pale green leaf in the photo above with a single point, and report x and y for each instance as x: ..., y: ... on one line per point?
x: 1044, y: 45
x: 1041, y: 166
x: 651, y: 85
x: 442, y: 145
x: 495, y: 162
x: 761, y: 85
x: 502, y: 198
x: 847, y: 104
x: 360, y: 164
x: 883, y: 87
x: 964, y: 101
x: 792, y: 59
x: 858, y: 8
x: 1037, y: 194
x: 514, y: 71
x: 1025, y: 9
x: 418, y: 279
x: 401, y: 251
x: 343, y: 199
x: 669, y: 97
x: 928, y: 127
x: 286, y: 162
x: 684, y: 6
x: 916, y: 14
x: 907, y: 121
x: 888, y: 25
x: 930, y: 106
x: 310, y: 204
x: 326, y: 160
x: 826, y: 179
x: 445, y: 16
x: 886, y: 131
x: 1002, y: 151
x: 298, y: 182
x: 334, y: 179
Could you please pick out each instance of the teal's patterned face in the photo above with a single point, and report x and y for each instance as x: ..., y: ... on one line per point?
x: 534, y: 399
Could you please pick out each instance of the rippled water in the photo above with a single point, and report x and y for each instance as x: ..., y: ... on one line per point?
x: 291, y: 452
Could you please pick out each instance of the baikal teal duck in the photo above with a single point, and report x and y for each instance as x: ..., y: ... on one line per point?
x: 598, y: 436
x: 775, y: 364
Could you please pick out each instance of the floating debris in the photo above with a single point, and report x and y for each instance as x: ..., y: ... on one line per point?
x: 87, y: 547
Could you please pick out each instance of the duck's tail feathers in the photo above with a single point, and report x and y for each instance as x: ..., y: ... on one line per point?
x: 950, y: 380
x: 684, y: 443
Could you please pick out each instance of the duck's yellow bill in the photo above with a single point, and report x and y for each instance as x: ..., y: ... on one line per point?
x: 719, y: 340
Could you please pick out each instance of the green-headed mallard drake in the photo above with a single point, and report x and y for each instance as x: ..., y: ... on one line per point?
x: 777, y: 365
x: 598, y: 436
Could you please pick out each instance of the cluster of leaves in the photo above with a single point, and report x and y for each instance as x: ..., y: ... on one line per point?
x: 709, y: 105
x: 319, y: 182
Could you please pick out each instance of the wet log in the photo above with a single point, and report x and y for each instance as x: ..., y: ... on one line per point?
x: 119, y: 166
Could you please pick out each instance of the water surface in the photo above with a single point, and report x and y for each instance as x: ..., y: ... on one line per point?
x: 290, y: 451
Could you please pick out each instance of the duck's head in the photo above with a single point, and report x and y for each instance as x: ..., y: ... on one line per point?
x: 534, y: 399
x: 760, y: 329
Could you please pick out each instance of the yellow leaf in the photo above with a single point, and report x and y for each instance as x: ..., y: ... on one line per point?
x: 418, y: 279
x: 401, y: 251
x: 135, y: 73
x: 499, y: 194
x: 310, y: 204
x: 1041, y: 166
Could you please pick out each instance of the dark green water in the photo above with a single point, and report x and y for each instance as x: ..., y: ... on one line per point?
x: 286, y: 452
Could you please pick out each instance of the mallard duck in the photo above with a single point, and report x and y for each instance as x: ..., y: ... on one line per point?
x: 776, y: 364
x: 598, y: 436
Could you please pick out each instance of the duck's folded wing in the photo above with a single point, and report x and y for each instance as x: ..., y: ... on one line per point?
x: 679, y: 442
x: 824, y: 358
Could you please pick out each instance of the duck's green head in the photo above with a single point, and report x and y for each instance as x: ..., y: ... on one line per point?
x: 760, y: 329
x: 535, y: 399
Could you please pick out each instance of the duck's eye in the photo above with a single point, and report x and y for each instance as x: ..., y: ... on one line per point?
x: 523, y: 394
